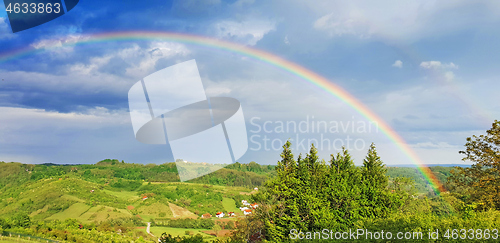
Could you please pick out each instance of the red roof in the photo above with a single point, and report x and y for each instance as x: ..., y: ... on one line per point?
x: 248, y: 210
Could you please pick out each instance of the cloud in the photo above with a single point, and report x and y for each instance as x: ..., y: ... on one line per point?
x: 400, y: 22
x: 58, y: 42
x: 38, y: 136
x: 398, y: 64
x: 248, y: 32
x: 5, y: 31
x: 195, y: 8
x: 242, y: 3
x: 431, y: 145
x: 449, y: 76
x: 286, y: 40
x: 148, y: 58
x: 20, y: 126
x: 59, y: 46
x: 353, y: 23
x: 111, y: 72
x: 444, y: 69
x: 437, y: 65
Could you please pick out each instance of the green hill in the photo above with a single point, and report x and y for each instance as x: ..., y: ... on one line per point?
x: 108, y: 196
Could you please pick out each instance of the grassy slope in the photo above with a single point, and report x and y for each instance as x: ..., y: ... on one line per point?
x: 74, y: 212
x: 180, y: 212
x: 69, y: 195
x: 229, y: 205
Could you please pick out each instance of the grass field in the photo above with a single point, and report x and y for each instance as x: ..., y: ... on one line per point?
x: 179, y: 212
x: 155, y: 210
x: 229, y: 205
x: 72, y: 198
x: 124, y: 195
x: 74, y: 211
x: 157, y: 231
x: 93, y: 214
x: 14, y: 239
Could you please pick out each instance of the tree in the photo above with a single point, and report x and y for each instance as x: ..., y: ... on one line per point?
x: 168, y: 238
x: 22, y: 220
x: 216, y: 228
x: 373, y: 170
x: 308, y: 195
x: 481, y: 182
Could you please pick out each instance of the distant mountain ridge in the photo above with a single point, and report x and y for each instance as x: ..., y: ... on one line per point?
x: 429, y: 165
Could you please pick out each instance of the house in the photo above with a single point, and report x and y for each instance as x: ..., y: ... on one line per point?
x: 243, y: 208
x: 247, y: 212
x: 206, y: 216
x: 91, y: 191
x: 256, y: 189
x: 219, y: 215
x: 231, y: 214
x: 245, y: 203
x: 254, y: 205
x: 144, y: 198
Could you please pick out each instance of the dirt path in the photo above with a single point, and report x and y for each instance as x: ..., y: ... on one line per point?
x: 148, y: 229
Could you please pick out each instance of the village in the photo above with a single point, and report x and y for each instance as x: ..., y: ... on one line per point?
x: 246, y: 209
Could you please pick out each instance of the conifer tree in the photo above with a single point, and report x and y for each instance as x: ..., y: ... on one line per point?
x: 373, y: 170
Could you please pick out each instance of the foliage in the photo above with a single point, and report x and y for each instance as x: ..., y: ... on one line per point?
x: 480, y: 184
x: 309, y: 195
x: 167, y: 238
x: 216, y: 228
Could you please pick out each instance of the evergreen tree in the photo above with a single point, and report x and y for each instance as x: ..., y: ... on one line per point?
x: 373, y: 170
x: 308, y: 195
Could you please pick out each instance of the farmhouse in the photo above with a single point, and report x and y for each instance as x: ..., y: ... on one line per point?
x: 231, y: 214
x: 247, y: 212
x: 245, y: 203
x: 219, y: 215
x: 144, y: 198
x: 254, y: 205
x: 206, y: 216
x: 243, y: 208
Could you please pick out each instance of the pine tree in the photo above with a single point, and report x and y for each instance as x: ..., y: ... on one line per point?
x: 373, y: 170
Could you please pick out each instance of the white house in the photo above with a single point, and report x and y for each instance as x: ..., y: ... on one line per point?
x: 243, y: 208
x: 245, y: 203
x: 247, y: 212
x: 254, y: 205
x: 219, y: 215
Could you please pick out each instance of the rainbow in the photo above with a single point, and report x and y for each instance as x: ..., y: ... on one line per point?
x: 437, y: 75
x: 259, y: 55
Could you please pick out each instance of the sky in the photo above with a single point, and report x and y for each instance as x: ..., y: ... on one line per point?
x: 429, y: 69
